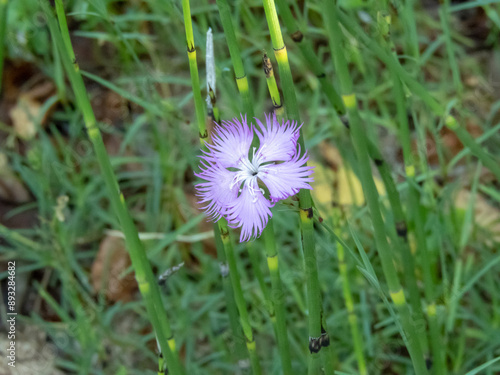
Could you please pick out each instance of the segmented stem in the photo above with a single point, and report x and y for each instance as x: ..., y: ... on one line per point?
x: 148, y: 286
x: 277, y: 298
x: 305, y: 200
x: 416, y: 215
x: 358, y: 136
x: 222, y: 228
x: 232, y: 309
x: 193, y: 69
x: 267, y: 65
x: 312, y: 60
x: 351, y: 317
x: 234, y: 51
x: 238, y: 296
x: 276, y: 307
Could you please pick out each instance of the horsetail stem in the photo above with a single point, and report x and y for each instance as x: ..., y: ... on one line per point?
x: 232, y: 309
x: 346, y: 290
x: 234, y: 51
x: 400, y: 220
x: 267, y: 65
x: 419, y: 223
x: 222, y: 223
x: 352, y: 318
x: 305, y: 200
x: 279, y: 320
x: 238, y: 296
x: 312, y: 60
x: 193, y: 69
x: 146, y: 281
x: 277, y: 298
x: 255, y: 261
x: 360, y: 144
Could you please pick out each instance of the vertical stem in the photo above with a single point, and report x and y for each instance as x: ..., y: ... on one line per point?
x: 352, y: 318
x: 193, y: 69
x: 416, y: 215
x: 223, y: 230
x: 305, y: 200
x: 272, y: 86
x: 401, y: 228
x: 346, y: 290
x: 238, y: 296
x: 392, y: 193
x: 358, y: 136
x: 256, y: 267
x: 234, y: 51
x: 232, y: 310
x: 279, y: 321
x: 278, y: 298
x: 144, y: 275
x: 313, y: 61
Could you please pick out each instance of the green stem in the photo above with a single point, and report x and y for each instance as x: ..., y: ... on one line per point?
x: 352, y: 318
x: 279, y: 321
x: 312, y: 60
x: 256, y: 267
x: 277, y: 298
x: 416, y: 215
x: 238, y: 296
x: 222, y: 229
x: 144, y: 275
x: 358, y: 136
x: 232, y: 310
x: 272, y: 86
x: 234, y: 51
x: 305, y: 200
x: 193, y: 69
x: 392, y: 192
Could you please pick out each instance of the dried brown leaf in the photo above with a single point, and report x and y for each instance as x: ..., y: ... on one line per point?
x: 108, y: 271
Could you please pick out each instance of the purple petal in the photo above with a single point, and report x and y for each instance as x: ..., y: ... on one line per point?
x: 277, y: 142
x: 250, y: 211
x: 286, y: 179
x: 217, y: 192
x: 231, y: 142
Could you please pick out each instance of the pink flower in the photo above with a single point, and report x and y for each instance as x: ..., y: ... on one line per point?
x: 242, y: 182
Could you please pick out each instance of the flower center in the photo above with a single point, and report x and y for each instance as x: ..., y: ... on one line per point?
x: 247, y: 175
